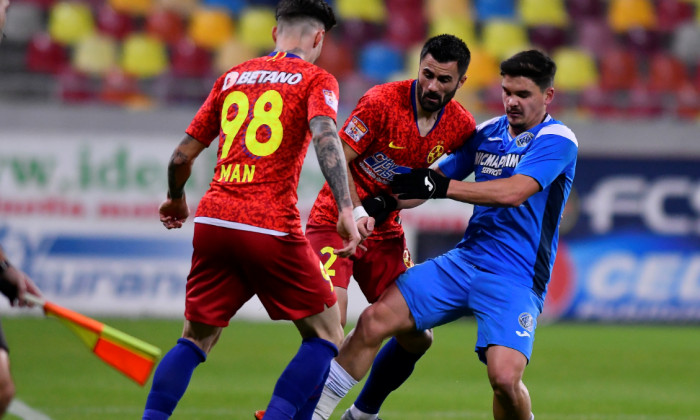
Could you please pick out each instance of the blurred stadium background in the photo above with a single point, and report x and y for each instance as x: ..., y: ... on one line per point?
x: 95, y: 94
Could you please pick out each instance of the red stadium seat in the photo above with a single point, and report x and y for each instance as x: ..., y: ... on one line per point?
x: 643, y: 103
x: 688, y: 102
x: 548, y: 38
x: 672, y: 13
x: 581, y: 9
x: 119, y: 88
x: 336, y: 59
x: 405, y: 28
x: 595, y: 36
x: 166, y: 25
x: 643, y: 41
x: 189, y: 60
x: 113, y: 23
x: 44, y: 55
x: 600, y: 102
x: 75, y: 87
x: 666, y: 73
x: 618, y: 70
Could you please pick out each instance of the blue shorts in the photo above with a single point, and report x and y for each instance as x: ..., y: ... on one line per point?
x: 448, y: 287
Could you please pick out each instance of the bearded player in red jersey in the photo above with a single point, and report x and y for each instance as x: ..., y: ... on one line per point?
x: 395, y: 127
x: 248, y: 238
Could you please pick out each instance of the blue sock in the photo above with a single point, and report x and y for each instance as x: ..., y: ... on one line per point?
x: 300, y: 379
x: 392, y: 366
x: 307, y: 411
x: 171, y: 379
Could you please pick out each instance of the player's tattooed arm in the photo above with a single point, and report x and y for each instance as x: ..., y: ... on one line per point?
x: 180, y: 165
x: 331, y: 158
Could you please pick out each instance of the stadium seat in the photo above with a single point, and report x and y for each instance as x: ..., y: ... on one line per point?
x: 166, y: 25
x: 132, y: 7
x: 576, y: 69
x: 666, y: 73
x: 367, y: 10
x: 624, y: 15
x: 114, y: 23
x: 356, y: 33
x: 672, y: 13
x: 618, y: 69
x: 543, y: 12
x: 23, y: 21
x: 643, y: 41
x: 181, y: 7
x: 351, y: 90
x: 189, y: 60
x: 483, y: 70
x: 234, y: 52
x: 118, y: 88
x: 548, y: 38
x: 234, y: 7
x: 255, y: 28
x: 685, y: 43
x: 143, y: 56
x: 210, y: 28
x: 336, y: 59
x: 584, y: 9
x: 44, y: 55
x: 595, y: 36
x: 70, y: 21
x: 600, y: 103
x: 494, y: 9
x: 95, y: 55
x: 502, y: 38
x: 687, y: 101
x: 43, y: 4
x: 458, y: 26
x: 643, y: 103
x: 405, y: 28
x: 379, y: 61
x: 438, y: 9
x: 75, y: 87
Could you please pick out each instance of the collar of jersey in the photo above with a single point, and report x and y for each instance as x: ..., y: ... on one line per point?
x: 282, y: 54
x: 415, y: 109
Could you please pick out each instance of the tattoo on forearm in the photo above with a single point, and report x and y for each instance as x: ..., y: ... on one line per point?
x: 331, y: 159
x: 179, y: 170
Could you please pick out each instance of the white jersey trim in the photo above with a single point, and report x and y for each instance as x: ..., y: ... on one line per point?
x: 559, y: 130
x: 238, y: 226
x: 487, y: 122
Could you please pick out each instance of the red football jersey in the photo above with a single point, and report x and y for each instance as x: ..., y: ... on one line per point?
x: 260, y: 110
x: 383, y: 131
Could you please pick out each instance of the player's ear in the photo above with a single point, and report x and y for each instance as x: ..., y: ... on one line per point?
x: 548, y: 95
x: 462, y: 80
x: 274, y: 33
x: 319, y: 37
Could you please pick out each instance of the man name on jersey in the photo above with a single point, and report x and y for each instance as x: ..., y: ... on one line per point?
x: 232, y: 173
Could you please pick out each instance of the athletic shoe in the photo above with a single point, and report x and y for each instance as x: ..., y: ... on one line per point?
x: 259, y: 414
x: 348, y: 416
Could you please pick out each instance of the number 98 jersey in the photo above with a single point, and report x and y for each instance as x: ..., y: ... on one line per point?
x: 260, y: 110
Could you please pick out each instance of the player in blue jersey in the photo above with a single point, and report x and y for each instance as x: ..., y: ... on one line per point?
x: 524, y: 165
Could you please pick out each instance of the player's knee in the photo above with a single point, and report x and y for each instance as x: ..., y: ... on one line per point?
x: 371, y: 327
x: 504, y: 382
x: 416, y: 342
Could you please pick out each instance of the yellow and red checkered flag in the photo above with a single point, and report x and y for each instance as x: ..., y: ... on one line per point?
x: 133, y: 357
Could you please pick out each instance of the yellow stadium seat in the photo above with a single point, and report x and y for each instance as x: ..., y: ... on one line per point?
x: 367, y: 10
x: 144, y: 56
x: 255, y: 28
x: 132, y: 7
x: 210, y: 28
x: 458, y: 26
x: 182, y: 7
x: 438, y: 9
x: 576, y: 70
x: 96, y: 55
x: 231, y: 53
x: 70, y: 21
x: 624, y: 15
x: 503, y: 38
x: 483, y: 71
x: 543, y: 12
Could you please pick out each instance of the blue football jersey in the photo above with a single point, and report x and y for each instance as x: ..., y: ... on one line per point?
x: 519, y: 242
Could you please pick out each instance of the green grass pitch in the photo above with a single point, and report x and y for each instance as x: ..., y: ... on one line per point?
x: 578, y: 372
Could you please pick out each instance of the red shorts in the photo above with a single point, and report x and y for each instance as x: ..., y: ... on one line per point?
x: 374, y: 270
x: 229, y: 266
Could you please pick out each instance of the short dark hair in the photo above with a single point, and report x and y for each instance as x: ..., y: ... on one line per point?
x: 445, y: 48
x: 533, y: 64
x: 315, y: 9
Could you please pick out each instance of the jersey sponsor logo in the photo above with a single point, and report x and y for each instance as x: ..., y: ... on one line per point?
x: 435, y: 153
x: 382, y: 168
x: 493, y: 164
x: 523, y: 139
x: 393, y: 146
x: 264, y: 76
x: 526, y: 321
x: 230, y: 80
x: 356, y: 129
x: 331, y: 99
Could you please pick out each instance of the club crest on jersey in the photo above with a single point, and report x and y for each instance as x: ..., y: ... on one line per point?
x: 526, y: 321
x: 356, y: 129
x: 524, y: 138
x: 435, y: 153
x: 331, y: 99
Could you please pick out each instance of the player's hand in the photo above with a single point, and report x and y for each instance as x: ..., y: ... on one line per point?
x: 16, y: 284
x: 347, y: 229
x: 420, y: 183
x: 365, y: 225
x: 379, y: 207
x: 174, y: 212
